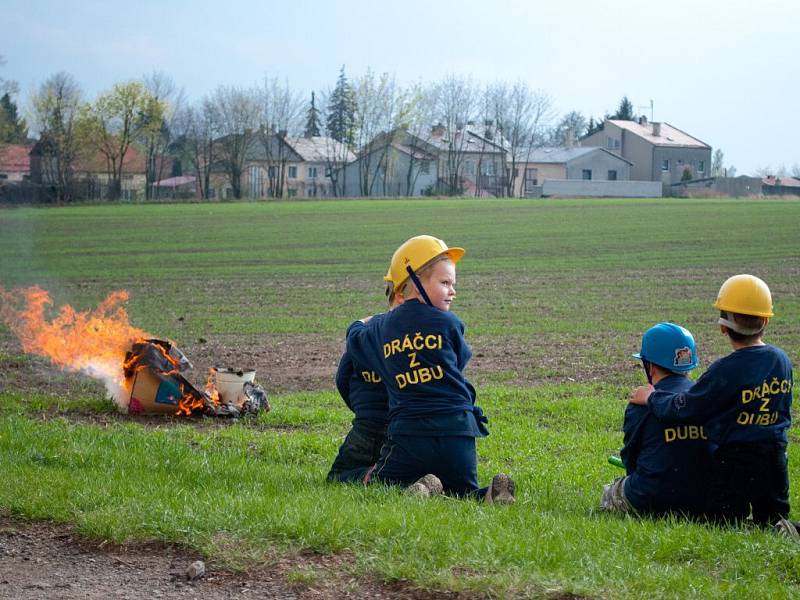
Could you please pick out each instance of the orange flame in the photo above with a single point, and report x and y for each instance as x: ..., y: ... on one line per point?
x: 93, y: 341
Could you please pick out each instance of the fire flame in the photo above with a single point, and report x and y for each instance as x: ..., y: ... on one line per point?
x: 94, y: 342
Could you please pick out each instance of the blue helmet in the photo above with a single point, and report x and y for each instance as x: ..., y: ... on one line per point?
x: 669, y: 346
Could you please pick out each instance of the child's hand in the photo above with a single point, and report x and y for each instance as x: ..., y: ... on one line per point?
x: 640, y: 395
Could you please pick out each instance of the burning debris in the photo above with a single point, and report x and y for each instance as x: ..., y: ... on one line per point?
x: 142, y: 374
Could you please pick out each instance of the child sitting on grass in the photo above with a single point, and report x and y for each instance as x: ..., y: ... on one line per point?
x: 420, y: 353
x: 744, y: 399
x: 364, y: 393
x: 667, y: 465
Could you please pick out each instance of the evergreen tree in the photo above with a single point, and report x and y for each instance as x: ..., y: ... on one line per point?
x: 312, y: 120
x: 341, y: 111
x: 625, y: 111
x: 13, y: 129
x: 594, y: 126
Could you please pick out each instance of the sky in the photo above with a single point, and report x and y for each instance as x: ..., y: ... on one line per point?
x: 724, y: 71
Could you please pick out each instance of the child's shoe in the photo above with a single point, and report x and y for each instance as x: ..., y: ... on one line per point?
x: 501, y: 491
x: 785, y: 528
x: 429, y: 485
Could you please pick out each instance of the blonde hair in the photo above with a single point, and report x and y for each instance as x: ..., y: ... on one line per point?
x: 408, y: 287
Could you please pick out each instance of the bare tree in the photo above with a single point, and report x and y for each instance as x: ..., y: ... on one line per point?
x: 418, y: 116
x: 522, y: 117
x: 156, y: 138
x: 456, y: 104
x: 281, y: 116
x: 379, y: 112
x: 236, y: 116
x: 55, y: 106
x: 195, y: 130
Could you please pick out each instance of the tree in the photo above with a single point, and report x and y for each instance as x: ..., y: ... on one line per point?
x: 522, y: 117
x: 114, y: 120
x: 717, y: 163
x: 235, y: 113
x: 55, y: 108
x: 281, y: 116
x: 572, y: 121
x: 312, y: 120
x: 796, y: 170
x: 341, y: 111
x: 155, y: 138
x: 594, y: 126
x: 195, y: 131
x: 379, y: 108
x: 13, y: 129
x: 456, y: 103
x: 624, y: 111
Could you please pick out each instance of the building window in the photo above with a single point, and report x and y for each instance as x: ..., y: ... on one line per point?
x: 586, y: 174
x: 665, y: 164
x: 312, y: 172
x: 610, y: 143
x: 425, y: 166
x: 3, y: 176
x: 293, y: 172
x: 701, y: 166
x: 488, y: 168
x: 531, y: 177
x: 327, y: 171
x: 616, y: 144
x: 469, y: 167
x: 271, y: 172
x: 612, y: 175
x: 291, y: 192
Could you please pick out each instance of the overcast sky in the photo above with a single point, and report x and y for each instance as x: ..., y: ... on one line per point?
x: 724, y: 71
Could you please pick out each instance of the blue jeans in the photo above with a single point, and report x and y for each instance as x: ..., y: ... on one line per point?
x: 359, y: 451
x: 453, y: 459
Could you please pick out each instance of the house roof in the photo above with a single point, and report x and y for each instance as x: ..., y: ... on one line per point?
x: 133, y: 163
x: 560, y: 154
x: 781, y: 181
x: 320, y: 149
x: 414, y: 152
x: 670, y: 136
x: 15, y: 158
x: 175, y: 181
x: 473, y: 143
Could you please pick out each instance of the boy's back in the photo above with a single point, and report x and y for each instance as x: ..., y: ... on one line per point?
x: 668, y: 465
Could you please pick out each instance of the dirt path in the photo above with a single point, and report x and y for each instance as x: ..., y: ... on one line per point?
x: 41, y: 560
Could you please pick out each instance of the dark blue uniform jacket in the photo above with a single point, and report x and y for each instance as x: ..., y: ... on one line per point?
x: 669, y: 465
x: 362, y: 390
x: 745, y: 396
x: 420, y: 354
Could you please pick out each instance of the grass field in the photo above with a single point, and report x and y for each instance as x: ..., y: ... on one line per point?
x: 555, y: 295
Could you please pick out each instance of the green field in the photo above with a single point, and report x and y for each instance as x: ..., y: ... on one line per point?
x: 554, y: 293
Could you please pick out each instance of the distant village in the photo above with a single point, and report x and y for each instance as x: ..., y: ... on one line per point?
x: 142, y: 141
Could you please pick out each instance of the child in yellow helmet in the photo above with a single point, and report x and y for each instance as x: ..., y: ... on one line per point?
x: 744, y: 400
x: 420, y: 353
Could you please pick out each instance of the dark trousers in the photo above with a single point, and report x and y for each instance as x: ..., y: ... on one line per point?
x: 359, y: 451
x: 453, y: 459
x: 749, y: 476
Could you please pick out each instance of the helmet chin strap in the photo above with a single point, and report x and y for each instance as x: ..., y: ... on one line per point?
x: 418, y: 285
x: 646, y: 364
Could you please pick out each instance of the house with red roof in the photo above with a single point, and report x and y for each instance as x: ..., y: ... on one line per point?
x: 15, y: 163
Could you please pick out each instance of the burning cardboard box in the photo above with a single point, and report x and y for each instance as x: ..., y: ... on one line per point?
x: 142, y: 374
x: 154, y: 370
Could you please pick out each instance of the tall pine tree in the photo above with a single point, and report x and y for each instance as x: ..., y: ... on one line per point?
x: 625, y: 111
x: 341, y: 111
x: 13, y: 129
x: 312, y: 120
